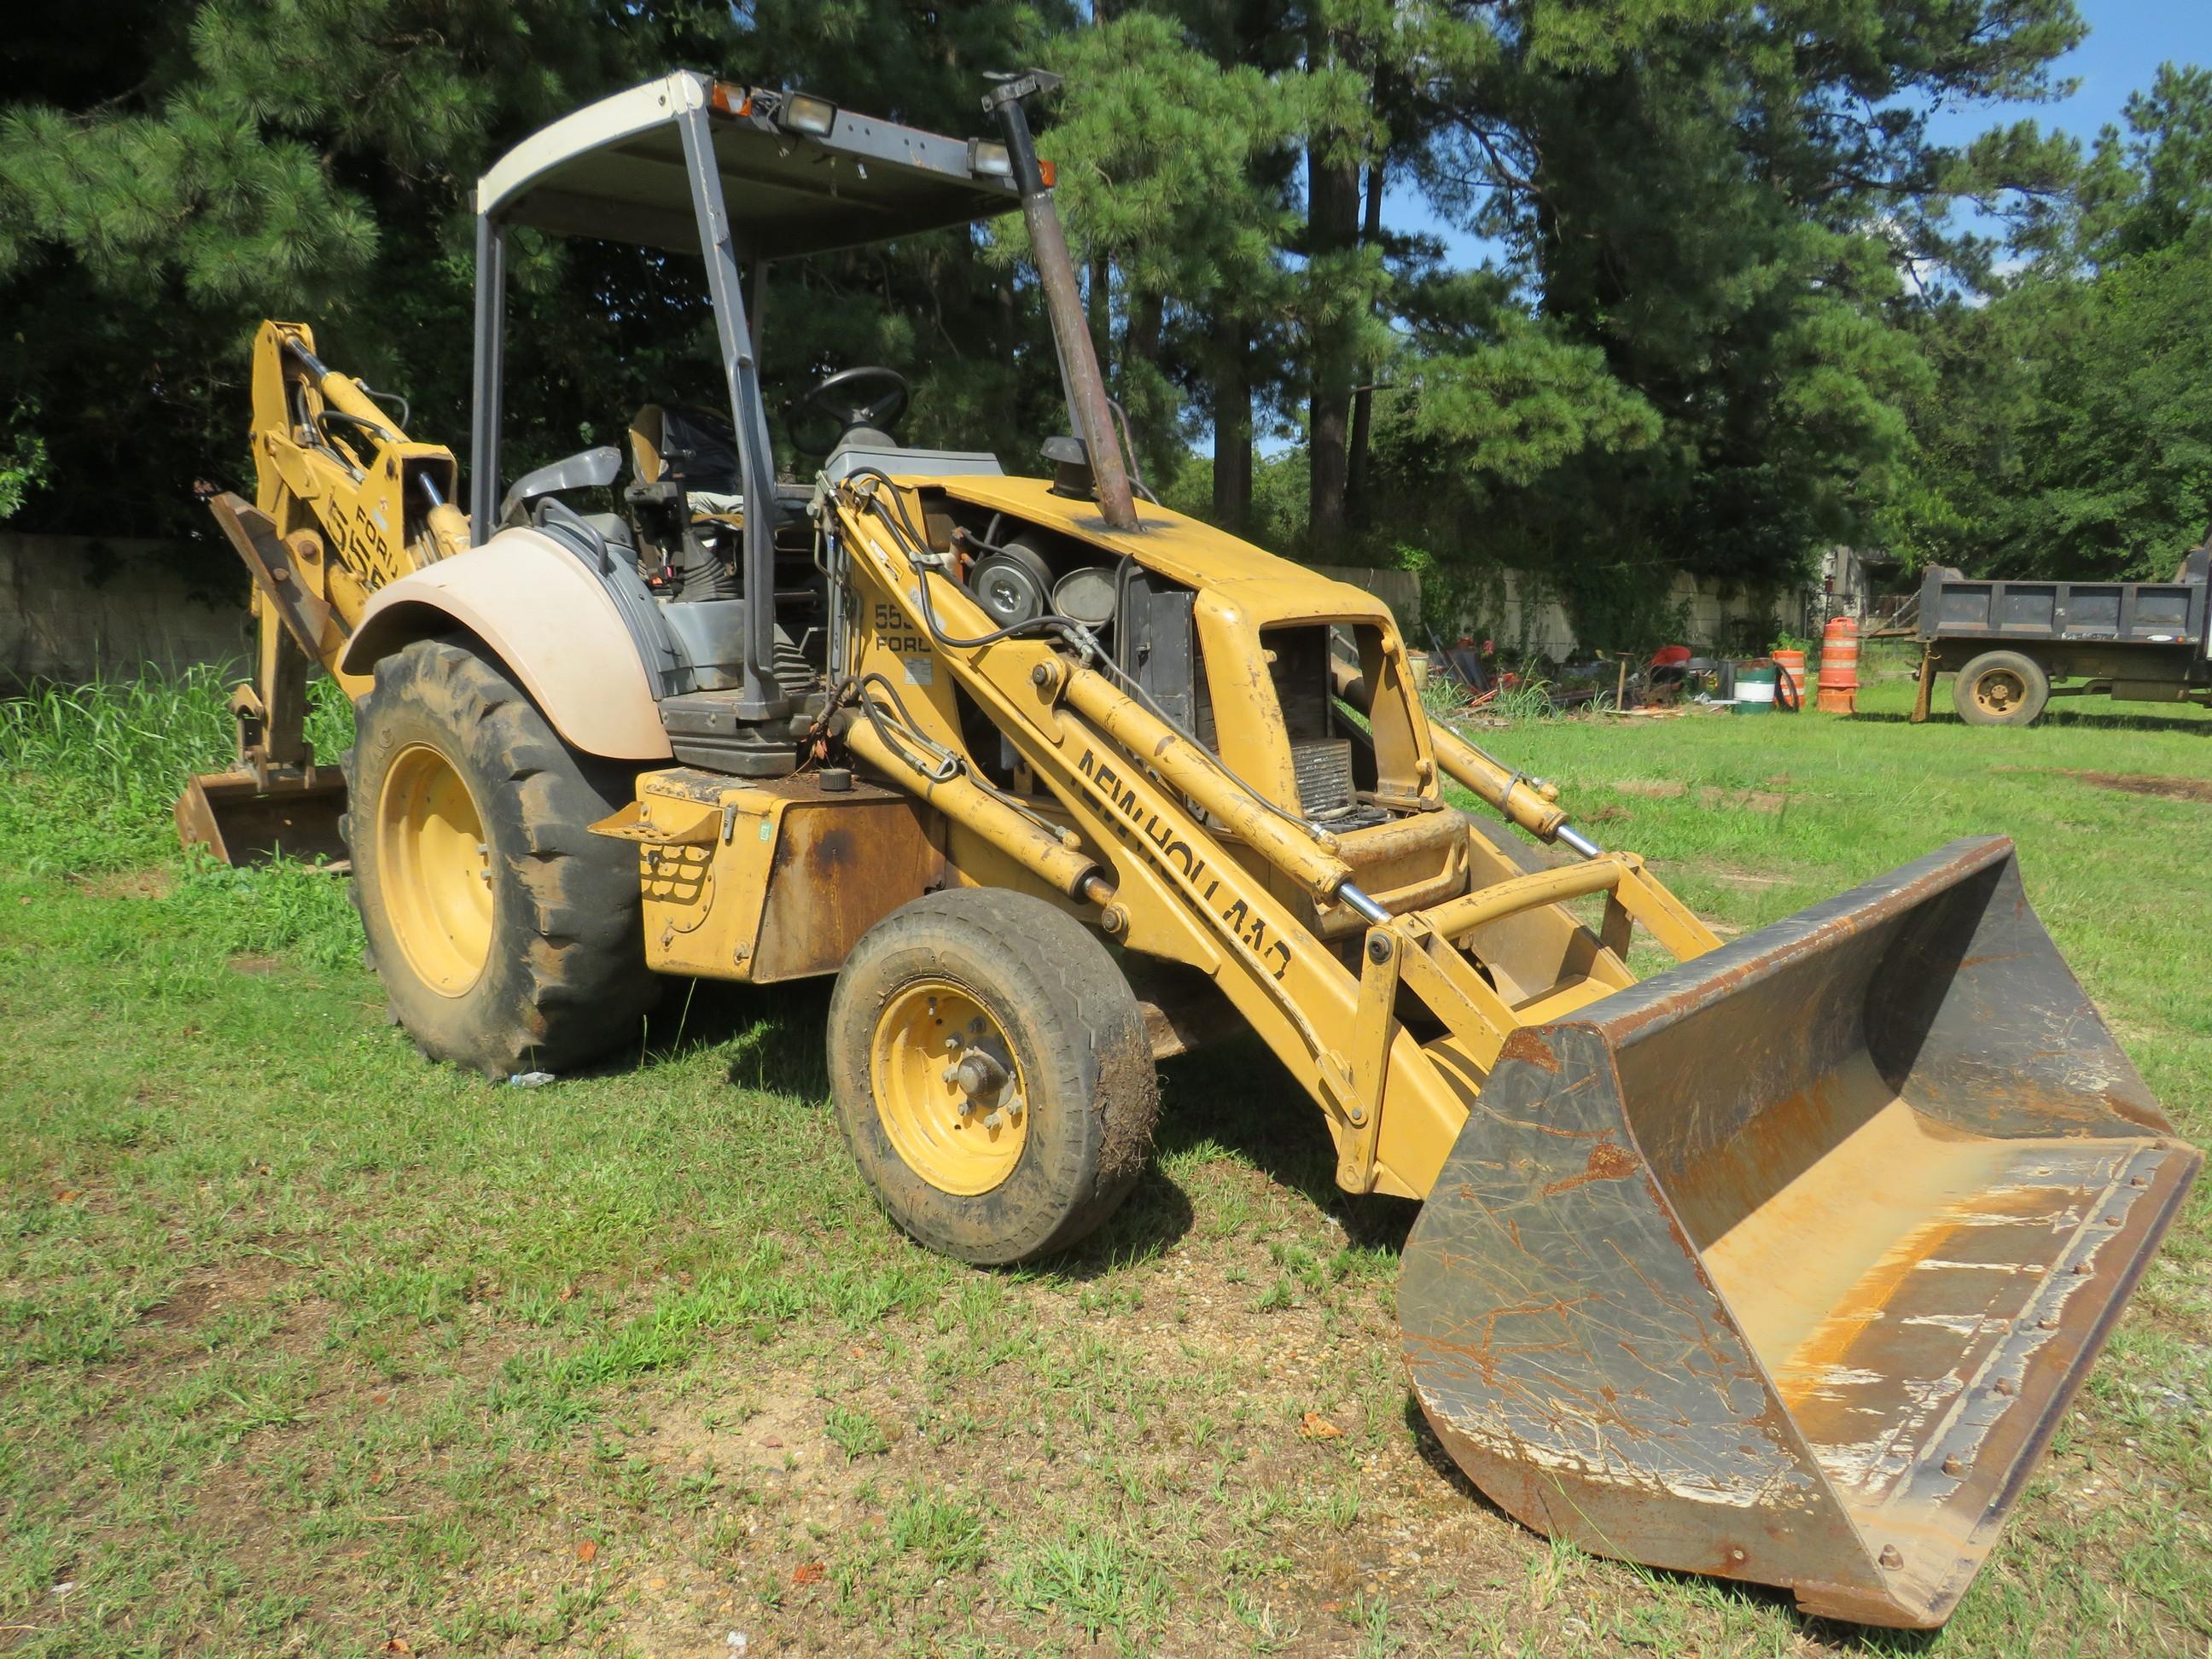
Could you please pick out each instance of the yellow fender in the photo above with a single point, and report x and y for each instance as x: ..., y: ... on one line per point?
x: 552, y: 623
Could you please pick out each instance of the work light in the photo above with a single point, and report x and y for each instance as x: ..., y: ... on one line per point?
x: 988, y: 159
x: 802, y: 112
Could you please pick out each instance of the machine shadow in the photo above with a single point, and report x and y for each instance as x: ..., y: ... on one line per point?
x: 774, y: 1034
x: 775, y: 1037
x: 1236, y: 1096
x: 1232, y: 1095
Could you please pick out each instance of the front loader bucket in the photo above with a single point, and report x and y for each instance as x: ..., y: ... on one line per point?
x: 231, y: 815
x: 1782, y: 1265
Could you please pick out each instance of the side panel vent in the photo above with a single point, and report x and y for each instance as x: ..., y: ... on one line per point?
x: 1324, y: 769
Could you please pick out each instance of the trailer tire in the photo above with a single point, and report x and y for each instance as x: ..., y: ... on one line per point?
x: 507, y: 934
x: 992, y: 1074
x: 2000, y: 687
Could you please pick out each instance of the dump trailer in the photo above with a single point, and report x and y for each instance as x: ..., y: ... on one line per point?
x: 2011, y: 646
x: 1781, y: 1264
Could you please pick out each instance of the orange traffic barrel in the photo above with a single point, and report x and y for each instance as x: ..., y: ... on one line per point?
x: 1839, y: 667
x: 1789, y: 680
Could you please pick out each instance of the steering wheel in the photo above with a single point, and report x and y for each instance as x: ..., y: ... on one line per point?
x: 843, y: 397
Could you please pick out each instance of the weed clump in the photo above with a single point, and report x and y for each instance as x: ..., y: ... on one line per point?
x: 91, y: 771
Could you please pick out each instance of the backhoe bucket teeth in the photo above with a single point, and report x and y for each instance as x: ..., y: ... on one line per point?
x: 231, y: 815
x: 1782, y: 1265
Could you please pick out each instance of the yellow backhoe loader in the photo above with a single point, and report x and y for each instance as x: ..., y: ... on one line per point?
x: 1781, y: 1264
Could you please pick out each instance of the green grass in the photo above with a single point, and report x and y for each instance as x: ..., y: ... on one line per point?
x: 306, y: 1346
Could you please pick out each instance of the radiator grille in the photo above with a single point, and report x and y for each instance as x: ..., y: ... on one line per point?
x: 1324, y: 769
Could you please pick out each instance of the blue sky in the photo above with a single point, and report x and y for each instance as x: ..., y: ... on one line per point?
x: 2127, y: 39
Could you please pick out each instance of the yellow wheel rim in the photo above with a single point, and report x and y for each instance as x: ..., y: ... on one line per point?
x: 2000, y: 691
x: 948, y: 1089
x: 433, y: 870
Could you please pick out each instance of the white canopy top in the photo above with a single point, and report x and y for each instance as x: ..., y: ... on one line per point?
x: 614, y: 170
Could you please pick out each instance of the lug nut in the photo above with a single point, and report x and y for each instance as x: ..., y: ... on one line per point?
x: 995, y: 1121
x: 1954, y: 1467
x: 1892, y: 1557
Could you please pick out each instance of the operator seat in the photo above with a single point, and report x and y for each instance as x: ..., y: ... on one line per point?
x: 677, y: 444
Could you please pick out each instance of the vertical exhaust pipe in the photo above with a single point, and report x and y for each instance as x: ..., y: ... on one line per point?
x: 1078, y: 356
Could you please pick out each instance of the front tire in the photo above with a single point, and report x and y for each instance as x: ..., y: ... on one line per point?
x: 2000, y: 687
x: 507, y: 936
x: 992, y: 1074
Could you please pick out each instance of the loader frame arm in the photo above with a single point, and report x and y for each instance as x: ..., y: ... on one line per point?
x: 1174, y: 854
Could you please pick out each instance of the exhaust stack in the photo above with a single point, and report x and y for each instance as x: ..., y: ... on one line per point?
x: 1078, y: 356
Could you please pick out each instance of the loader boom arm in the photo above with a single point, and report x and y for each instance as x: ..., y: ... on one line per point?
x: 1178, y: 852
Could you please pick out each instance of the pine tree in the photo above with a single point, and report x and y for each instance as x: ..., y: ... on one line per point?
x: 2070, y: 432
x: 1729, y: 201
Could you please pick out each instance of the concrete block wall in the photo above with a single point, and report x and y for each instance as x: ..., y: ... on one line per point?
x: 74, y: 609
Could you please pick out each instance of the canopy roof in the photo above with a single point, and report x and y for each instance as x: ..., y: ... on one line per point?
x: 613, y: 171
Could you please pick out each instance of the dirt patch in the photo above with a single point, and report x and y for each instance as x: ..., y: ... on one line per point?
x: 173, y: 1333
x: 2198, y: 789
x: 1728, y: 876
x: 255, y: 964
x: 1742, y: 800
x: 186, y: 1305
x: 126, y: 884
x: 1747, y: 800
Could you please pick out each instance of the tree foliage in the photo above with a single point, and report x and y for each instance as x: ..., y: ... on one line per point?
x: 2069, y: 432
x: 1724, y: 314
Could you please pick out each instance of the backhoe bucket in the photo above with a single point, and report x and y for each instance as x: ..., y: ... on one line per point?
x: 231, y: 815
x: 1782, y: 1265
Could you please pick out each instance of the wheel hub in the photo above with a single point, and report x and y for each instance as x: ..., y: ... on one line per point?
x: 1998, y: 691
x: 947, y: 1088
x: 433, y: 870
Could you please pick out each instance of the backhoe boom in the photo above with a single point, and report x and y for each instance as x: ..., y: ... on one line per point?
x: 343, y: 505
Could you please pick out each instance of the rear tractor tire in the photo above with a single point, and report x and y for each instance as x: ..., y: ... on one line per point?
x: 507, y: 936
x: 992, y: 1074
x: 2000, y: 687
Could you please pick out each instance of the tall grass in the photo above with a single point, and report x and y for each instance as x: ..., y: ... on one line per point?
x: 89, y: 773
x: 1529, y: 698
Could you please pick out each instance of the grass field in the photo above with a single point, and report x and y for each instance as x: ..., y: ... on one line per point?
x: 307, y: 1347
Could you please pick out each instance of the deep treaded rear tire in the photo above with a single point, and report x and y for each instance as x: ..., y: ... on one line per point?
x: 1073, y: 1025
x: 563, y: 979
